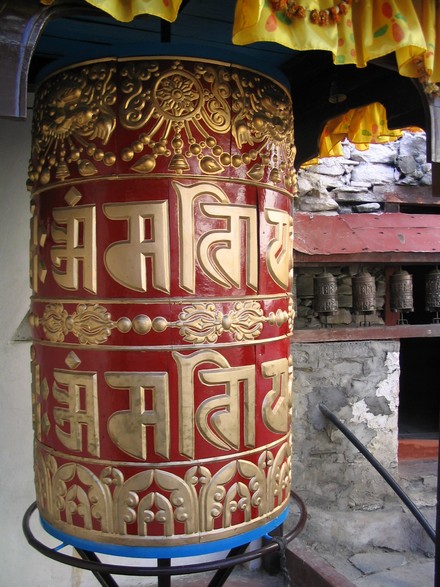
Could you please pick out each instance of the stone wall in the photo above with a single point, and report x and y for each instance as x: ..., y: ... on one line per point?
x: 348, y: 184
x: 348, y: 503
x: 359, y: 382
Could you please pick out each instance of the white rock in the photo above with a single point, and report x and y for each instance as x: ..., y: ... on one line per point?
x: 310, y: 183
x: 357, y: 197
x: 426, y: 179
x: 376, y: 153
x: 360, y: 184
x: 412, y: 144
x: 317, y: 204
x: 376, y: 174
x: 407, y: 164
x: 330, y: 166
x: 369, y: 207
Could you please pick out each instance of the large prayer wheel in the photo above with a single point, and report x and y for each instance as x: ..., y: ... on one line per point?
x: 161, y: 266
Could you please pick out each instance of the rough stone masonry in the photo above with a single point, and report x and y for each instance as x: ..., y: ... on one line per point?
x: 348, y: 502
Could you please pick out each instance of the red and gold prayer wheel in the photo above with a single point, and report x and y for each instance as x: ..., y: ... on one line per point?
x: 161, y: 265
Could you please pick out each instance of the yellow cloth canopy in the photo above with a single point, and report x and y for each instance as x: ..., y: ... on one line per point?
x: 369, y: 29
x: 127, y: 10
x: 355, y: 31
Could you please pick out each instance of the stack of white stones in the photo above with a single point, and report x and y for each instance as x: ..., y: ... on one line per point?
x: 343, y: 185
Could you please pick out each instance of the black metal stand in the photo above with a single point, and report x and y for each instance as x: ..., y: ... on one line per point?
x: 164, y: 571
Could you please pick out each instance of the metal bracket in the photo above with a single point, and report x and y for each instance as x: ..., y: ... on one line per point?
x: 21, y: 25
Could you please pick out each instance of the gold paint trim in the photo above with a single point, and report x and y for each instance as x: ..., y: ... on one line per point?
x: 173, y: 347
x: 164, y: 300
x: 198, y: 323
x: 212, y: 62
x: 241, y: 181
x: 263, y: 121
x: 177, y: 540
x: 79, y: 64
x: 228, y: 63
x: 170, y: 464
x: 198, y: 497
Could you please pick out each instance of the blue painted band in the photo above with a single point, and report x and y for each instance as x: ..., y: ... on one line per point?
x: 166, y: 551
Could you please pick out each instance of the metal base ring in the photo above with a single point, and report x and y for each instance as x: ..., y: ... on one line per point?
x: 92, y: 563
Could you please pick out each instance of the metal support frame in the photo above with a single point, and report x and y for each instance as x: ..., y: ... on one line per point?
x: 22, y: 24
x: 164, y: 570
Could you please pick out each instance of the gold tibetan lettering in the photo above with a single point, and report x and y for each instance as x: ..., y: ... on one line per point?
x: 276, y: 405
x: 127, y: 428
x: 218, y: 252
x: 78, y: 390
x: 218, y: 417
x: 126, y: 260
x: 74, y: 231
x: 36, y: 399
x: 186, y: 197
x: 279, y: 250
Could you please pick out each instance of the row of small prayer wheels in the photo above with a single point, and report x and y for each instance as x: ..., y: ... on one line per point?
x: 325, y: 292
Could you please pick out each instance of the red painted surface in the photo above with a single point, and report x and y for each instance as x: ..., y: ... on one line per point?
x: 365, y: 233
x: 418, y: 449
x: 172, y: 294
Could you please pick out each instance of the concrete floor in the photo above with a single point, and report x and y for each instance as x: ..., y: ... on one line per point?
x: 240, y: 577
x: 381, y: 567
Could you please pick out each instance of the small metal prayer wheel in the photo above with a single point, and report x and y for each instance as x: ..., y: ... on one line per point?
x: 401, y: 290
x: 432, y: 291
x: 325, y: 294
x: 364, y: 293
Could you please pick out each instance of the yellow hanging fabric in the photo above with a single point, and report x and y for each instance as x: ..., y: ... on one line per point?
x: 355, y: 31
x: 127, y: 10
x: 361, y: 126
x: 359, y: 31
x: 411, y: 63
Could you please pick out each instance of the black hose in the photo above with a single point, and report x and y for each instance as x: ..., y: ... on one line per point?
x: 381, y: 470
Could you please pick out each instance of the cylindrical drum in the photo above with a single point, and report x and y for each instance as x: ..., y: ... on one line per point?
x: 401, y: 290
x: 161, y: 267
x: 325, y: 294
x: 432, y: 291
x: 364, y: 293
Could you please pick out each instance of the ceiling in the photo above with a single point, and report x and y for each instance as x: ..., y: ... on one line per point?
x: 208, y: 25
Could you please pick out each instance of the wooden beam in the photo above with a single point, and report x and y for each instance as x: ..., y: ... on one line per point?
x: 434, y: 111
x: 304, y: 260
x: 367, y: 333
x: 436, y: 181
x: 407, y: 194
